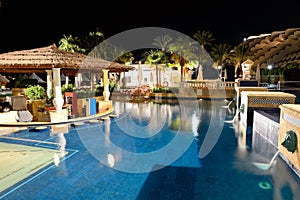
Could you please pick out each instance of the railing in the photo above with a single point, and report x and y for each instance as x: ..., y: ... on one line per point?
x: 288, y: 85
x: 210, y: 84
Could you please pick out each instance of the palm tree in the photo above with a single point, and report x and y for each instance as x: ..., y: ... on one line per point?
x: 183, y: 50
x: 204, y: 38
x: 238, y: 55
x: 162, y: 42
x: 81, y: 44
x: 220, y: 53
x: 155, y: 57
x: 90, y: 41
x: 125, y: 58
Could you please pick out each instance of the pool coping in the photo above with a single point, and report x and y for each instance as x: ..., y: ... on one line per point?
x: 78, y: 119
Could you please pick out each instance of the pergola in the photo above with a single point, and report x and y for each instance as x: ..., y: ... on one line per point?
x: 54, y: 61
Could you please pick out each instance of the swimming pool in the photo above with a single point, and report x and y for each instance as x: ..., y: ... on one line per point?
x: 154, y: 151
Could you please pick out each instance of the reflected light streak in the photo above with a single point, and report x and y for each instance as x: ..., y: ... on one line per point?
x: 110, y: 160
x: 195, y: 123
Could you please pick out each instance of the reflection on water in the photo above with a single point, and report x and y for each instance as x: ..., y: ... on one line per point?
x: 148, y: 137
x: 260, y: 156
x: 254, y: 155
x: 59, y: 132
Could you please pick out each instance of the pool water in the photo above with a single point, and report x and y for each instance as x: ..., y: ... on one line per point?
x: 156, y: 151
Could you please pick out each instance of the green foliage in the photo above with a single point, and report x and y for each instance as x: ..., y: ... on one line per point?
x: 35, y: 92
x: 220, y: 53
x: 82, y: 94
x: 69, y: 89
x: 281, y: 70
x: 204, y: 38
x: 125, y: 58
x: 49, y: 101
x: 264, y: 72
x: 99, y: 90
x: 154, y: 57
x: 293, y: 65
x: 81, y: 44
x: 112, y: 85
x: 70, y: 44
x: 162, y: 42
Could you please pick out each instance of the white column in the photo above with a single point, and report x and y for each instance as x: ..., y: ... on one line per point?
x: 67, y: 82
x: 58, y: 101
x: 92, y: 81
x: 49, y: 83
x: 76, y: 82
x: 79, y: 79
x: 106, y: 92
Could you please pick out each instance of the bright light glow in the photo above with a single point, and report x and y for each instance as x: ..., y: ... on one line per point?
x: 110, y: 160
x: 56, y: 159
x: 270, y: 67
x: 219, y: 67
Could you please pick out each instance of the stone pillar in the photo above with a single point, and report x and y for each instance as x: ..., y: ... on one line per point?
x: 79, y: 79
x: 106, y: 92
x: 58, y: 101
x: 93, y: 81
x: 67, y: 82
x: 124, y: 80
x: 76, y: 81
x: 49, y: 83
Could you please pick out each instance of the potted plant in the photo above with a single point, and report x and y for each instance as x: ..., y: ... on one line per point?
x: 35, y: 92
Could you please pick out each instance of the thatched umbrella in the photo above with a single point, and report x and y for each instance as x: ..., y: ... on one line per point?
x: 3, y: 79
x: 39, y: 59
x: 34, y: 76
x: 59, y: 61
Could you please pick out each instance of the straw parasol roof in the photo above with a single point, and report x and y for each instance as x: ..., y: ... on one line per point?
x: 3, y: 79
x: 39, y: 59
x: 34, y: 76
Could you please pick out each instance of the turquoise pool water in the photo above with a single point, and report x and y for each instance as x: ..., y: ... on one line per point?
x: 156, y: 151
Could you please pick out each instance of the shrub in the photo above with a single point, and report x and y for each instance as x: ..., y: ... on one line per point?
x: 35, y: 92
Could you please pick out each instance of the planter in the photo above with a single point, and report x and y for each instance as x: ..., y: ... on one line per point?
x: 18, y: 91
x: 71, y: 101
x: 34, y: 107
x: 59, y: 116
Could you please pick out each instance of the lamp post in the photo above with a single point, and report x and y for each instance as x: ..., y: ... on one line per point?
x: 270, y: 67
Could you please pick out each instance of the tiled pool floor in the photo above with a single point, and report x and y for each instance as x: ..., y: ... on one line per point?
x: 225, y: 173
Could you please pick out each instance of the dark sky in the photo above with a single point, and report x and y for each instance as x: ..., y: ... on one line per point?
x: 29, y: 24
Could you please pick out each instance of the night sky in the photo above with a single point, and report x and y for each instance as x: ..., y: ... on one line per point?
x: 27, y: 24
